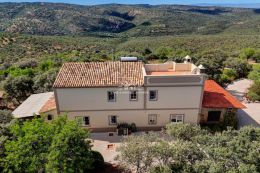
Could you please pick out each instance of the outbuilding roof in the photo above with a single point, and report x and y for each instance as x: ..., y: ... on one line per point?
x: 32, y: 105
x: 99, y: 74
x: 49, y: 105
x: 217, y: 97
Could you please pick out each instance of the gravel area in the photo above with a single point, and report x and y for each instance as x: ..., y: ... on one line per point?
x: 250, y: 115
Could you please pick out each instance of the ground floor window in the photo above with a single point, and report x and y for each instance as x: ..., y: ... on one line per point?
x: 49, y: 117
x: 177, y: 118
x: 112, y: 119
x: 83, y: 121
x: 152, y: 119
x: 214, y: 116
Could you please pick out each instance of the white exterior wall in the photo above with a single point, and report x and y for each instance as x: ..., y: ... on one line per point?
x: 82, y: 99
x: 176, y: 97
x: 93, y: 102
x: 100, y: 119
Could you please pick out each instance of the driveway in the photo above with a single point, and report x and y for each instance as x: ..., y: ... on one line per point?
x: 250, y: 115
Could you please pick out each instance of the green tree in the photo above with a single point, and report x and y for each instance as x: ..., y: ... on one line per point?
x: 36, y: 145
x: 184, y: 131
x: 5, y: 116
x: 43, y: 82
x: 19, y: 88
x: 255, y: 73
x: 69, y: 150
x: 228, y: 76
x: 213, y: 62
x: 5, y: 122
x: 188, y: 148
x: 135, y: 152
x: 254, y: 91
x: 240, y: 67
x: 248, y: 53
x: 164, y: 52
x: 28, y: 149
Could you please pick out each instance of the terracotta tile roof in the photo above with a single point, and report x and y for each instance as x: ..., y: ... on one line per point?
x: 49, y: 105
x: 217, y: 97
x: 99, y: 74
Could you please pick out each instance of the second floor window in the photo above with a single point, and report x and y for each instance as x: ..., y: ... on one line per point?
x: 153, y: 95
x: 111, y: 96
x: 133, y: 96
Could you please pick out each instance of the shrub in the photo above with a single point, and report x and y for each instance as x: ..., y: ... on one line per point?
x: 254, y: 91
x: 5, y: 116
x: 230, y: 120
x: 133, y: 127
x: 28, y: 64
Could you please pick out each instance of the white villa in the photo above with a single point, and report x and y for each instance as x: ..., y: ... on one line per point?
x: 104, y: 94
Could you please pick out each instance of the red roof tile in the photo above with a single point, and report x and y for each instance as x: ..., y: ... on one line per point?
x: 49, y: 105
x: 217, y: 97
x: 99, y: 74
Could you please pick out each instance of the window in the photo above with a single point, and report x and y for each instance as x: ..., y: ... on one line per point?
x: 112, y: 120
x: 214, y: 116
x: 49, y: 117
x: 152, y: 119
x: 153, y: 95
x: 175, y: 118
x: 83, y: 121
x: 133, y: 96
x: 111, y: 96
x: 86, y: 121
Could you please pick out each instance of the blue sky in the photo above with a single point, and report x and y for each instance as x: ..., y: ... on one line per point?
x: 91, y: 2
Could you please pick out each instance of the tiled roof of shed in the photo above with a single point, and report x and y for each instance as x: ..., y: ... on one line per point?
x: 217, y: 97
x: 99, y: 74
x: 49, y: 105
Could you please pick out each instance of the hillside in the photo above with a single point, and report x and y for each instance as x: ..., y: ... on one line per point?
x: 125, y: 20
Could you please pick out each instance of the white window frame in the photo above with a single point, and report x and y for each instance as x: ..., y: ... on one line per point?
x: 130, y: 94
x: 156, y: 94
x: 108, y: 92
x: 177, y: 117
x: 81, y: 121
x: 110, y: 120
x: 152, y: 117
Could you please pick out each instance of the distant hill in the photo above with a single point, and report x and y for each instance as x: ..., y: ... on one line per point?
x: 245, y: 5
x: 125, y: 20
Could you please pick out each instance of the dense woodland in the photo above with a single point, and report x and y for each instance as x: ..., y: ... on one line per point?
x: 29, y: 64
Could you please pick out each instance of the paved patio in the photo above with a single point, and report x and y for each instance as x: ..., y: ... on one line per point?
x: 250, y: 115
x: 101, y: 141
